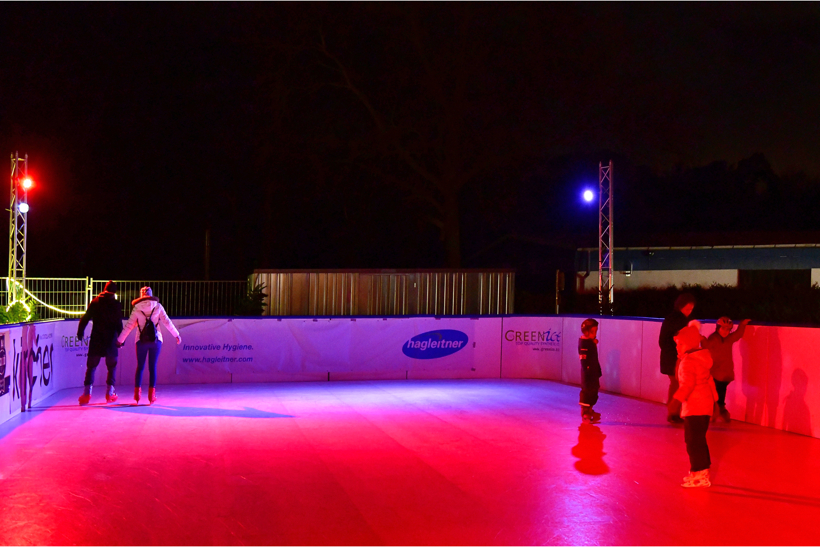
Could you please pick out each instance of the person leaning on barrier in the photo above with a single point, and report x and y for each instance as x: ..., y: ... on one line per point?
x: 719, y: 344
x: 105, y: 314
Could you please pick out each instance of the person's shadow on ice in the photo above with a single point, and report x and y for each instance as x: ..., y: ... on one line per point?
x: 590, y: 450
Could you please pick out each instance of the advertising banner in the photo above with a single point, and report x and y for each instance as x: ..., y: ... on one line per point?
x: 26, y: 366
x: 71, y: 353
x: 531, y: 347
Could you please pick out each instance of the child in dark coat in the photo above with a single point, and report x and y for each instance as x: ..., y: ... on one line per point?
x: 719, y: 345
x: 590, y: 370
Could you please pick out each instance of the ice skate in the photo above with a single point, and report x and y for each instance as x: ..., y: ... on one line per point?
x: 86, y: 396
x: 137, y: 393
x: 595, y: 416
x: 586, y: 416
x: 152, y: 395
x: 724, y: 415
x: 697, y: 479
x: 110, y: 395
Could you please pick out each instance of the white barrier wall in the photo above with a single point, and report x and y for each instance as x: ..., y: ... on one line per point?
x: 777, y: 375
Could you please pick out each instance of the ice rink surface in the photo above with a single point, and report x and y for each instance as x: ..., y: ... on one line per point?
x: 445, y: 462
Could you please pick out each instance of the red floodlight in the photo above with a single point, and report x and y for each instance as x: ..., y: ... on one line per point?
x: 27, y: 183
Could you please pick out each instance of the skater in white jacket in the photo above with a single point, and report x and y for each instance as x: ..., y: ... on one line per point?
x: 147, y: 314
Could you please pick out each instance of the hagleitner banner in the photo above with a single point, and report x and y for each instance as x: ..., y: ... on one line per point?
x: 465, y: 346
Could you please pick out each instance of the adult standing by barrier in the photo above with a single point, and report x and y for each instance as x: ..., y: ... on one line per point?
x: 684, y: 305
x: 105, y: 312
x: 147, y: 314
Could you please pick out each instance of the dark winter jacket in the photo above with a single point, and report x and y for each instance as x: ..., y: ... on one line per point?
x: 588, y: 353
x: 723, y: 367
x: 669, y: 351
x: 105, y: 312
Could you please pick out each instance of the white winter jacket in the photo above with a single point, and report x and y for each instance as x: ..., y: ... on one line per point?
x: 140, y: 314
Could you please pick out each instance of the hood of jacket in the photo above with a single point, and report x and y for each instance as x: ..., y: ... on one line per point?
x: 146, y: 307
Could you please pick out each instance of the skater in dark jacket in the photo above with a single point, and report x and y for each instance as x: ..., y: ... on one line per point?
x: 105, y: 312
x: 679, y: 318
x: 590, y: 370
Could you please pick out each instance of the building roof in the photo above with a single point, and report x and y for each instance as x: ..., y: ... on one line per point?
x: 715, y: 257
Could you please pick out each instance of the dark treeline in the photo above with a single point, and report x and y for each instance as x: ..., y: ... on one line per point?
x: 377, y: 135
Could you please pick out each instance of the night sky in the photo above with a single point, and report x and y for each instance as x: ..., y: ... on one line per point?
x: 352, y: 135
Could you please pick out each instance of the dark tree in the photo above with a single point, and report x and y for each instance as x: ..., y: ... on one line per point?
x: 425, y: 99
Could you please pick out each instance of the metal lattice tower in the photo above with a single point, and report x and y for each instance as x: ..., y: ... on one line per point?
x: 18, y: 229
x: 606, y: 283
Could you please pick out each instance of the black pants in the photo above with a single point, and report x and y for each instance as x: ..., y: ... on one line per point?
x: 589, y: 388
x: 694, y: 432
x: 673, y: 387
x: 721, y: 391
x: 151, y: 350
x: 91, y: 368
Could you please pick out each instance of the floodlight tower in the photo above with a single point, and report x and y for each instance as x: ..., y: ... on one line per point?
x: 606, y: 283
x: 18, y: 227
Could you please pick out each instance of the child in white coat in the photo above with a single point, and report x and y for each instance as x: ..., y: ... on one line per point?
x: 695, y: 399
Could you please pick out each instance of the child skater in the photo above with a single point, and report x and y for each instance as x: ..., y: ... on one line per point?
x: 695, y: 399
x: 723, y: 367
x: 590, y: 370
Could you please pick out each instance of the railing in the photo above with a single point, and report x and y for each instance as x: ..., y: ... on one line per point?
x: 52, y: 298
x: 297, y: 292
x: 55, y: 298
x: 183, y: 298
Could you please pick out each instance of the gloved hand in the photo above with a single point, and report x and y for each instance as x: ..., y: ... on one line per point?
x: 674, y: 407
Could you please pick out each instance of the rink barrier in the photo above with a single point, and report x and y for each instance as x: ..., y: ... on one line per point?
x: 777, y: 377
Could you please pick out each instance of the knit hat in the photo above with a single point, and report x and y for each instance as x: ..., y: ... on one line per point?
x: 111, y: 287
x: 145, y: 294
x: 688, y: 338
x: 587, y: 325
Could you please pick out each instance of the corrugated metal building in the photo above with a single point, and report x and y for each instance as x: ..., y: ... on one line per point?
x: 386, y: 292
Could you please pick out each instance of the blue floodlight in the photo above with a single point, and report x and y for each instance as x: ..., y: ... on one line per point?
x: 589, y: 195
x: 23, y: 208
